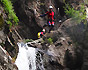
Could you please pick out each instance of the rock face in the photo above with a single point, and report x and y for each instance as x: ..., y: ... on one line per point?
x: 5, y: 61
x: 78, y: 34
x: 25, y: 12
x: 30, y: 9
x: 2, y: 37
x: 62, y: 54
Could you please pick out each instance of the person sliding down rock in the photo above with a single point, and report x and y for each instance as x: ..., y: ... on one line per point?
x: 40, y: 34
x: 51, y: 18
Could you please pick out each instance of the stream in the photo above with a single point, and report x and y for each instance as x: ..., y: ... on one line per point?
x: 28, y: 58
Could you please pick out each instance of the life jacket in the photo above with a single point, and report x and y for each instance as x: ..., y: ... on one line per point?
x: 50, y: 15
x: 40, y: 34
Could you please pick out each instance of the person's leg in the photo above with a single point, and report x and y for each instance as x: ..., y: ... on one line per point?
x: 51, y: 27
x: 44, y: 26
x: 48, y: 24
x: 52, y: 23
x: 41, y: 35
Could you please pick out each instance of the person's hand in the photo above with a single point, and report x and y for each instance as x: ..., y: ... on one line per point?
x: 37, y: 15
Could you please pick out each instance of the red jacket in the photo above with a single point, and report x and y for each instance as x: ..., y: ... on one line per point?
x: 51, y: 15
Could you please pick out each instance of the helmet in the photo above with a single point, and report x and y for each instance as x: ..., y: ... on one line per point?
x: 43, y: 30
x: 60, y: 21
x: 50, y: 7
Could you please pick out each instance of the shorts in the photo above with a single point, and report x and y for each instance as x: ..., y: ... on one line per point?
x: 50, y: 23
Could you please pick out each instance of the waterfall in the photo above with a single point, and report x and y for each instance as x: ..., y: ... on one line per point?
x: 27, y: 58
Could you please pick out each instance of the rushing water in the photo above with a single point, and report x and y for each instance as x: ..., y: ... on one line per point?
x: 27, y: 59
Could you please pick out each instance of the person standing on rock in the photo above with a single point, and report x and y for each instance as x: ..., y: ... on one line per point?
x: 51, y: 18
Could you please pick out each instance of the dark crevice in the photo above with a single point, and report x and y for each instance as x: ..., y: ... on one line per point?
x: 75, y: 62
x: 60, y: 5
x: 27, y: 20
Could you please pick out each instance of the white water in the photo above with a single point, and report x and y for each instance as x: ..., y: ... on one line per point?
x: 27, y: 59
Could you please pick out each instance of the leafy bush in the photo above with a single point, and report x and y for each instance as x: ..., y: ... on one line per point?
x: 50, y: 40
x: 12, y: 18
x: 42, y: 4
x: 28, y: 40
x: 76, y: 15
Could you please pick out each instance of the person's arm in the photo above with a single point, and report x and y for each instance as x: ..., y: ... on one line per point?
x: 44, y: 14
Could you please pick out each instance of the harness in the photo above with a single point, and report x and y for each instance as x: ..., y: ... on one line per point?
x: 50, y: 17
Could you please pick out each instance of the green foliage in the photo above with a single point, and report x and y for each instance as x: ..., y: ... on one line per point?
x: 14, y: 58
x: 50, y: 40
x: 76, y: 15
x: 28, y: 40
x: 42, y: 4
x: 12, y: 18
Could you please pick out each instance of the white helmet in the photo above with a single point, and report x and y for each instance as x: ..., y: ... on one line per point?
x: 50, y: 7
x: 43, y: 30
